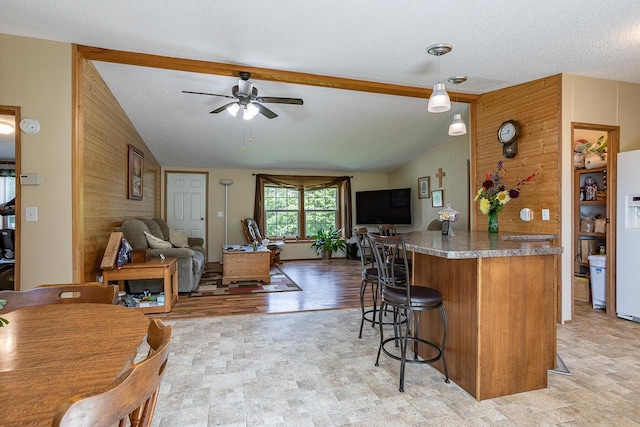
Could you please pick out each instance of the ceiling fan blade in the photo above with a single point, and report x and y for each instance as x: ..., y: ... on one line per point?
x: 265, y: 111
x: 212, y: 94
x: 276, y: 100
x: 220, y: 109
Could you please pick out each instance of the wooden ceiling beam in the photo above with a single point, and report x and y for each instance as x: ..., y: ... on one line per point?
x: 232, y: 70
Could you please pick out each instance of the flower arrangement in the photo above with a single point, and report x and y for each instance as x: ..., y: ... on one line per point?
x: 495, y: 192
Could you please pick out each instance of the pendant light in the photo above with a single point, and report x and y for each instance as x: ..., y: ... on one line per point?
x: 457, y: 126
x: 439, y: 101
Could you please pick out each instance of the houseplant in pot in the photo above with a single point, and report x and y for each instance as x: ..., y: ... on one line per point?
x: 327, y: 241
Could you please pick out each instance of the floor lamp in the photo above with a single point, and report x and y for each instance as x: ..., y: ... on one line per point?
x: 226, y: 183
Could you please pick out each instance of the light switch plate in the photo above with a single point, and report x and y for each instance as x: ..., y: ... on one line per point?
x: 31, y: 214
x: 545, y: 214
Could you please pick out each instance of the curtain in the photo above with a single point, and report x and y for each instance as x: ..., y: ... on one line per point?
x: 307, y: 183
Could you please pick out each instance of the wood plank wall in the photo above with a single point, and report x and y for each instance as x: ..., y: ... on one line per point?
x: 536, y: 107
x: 106, y: 135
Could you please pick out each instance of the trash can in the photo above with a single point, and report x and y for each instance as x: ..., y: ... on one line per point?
x: 598, y: 270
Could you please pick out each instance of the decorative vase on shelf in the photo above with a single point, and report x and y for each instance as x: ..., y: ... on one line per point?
x: 493, y: 221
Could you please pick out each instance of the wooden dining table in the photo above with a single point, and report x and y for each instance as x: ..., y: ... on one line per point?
x: 50, y: 353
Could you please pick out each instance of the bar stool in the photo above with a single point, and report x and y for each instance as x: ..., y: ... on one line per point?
x: 369, y: 277
x: 408, y: 303
x: 390, y: 230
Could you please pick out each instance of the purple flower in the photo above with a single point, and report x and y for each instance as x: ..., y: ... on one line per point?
x: 514, y: 193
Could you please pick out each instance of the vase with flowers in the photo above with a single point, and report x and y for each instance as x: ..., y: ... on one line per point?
x: 495, y: 193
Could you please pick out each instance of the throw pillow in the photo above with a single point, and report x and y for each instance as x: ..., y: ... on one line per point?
x: 156, y: 242
x: 178, y: 239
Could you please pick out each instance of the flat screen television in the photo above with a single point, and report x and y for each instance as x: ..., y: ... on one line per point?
x: 384, y: 207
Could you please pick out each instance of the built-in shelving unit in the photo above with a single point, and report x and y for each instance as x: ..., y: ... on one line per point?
x: 594, y: 204
x: 589, y: 239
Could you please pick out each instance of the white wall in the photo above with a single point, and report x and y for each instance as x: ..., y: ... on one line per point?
x: 596, y: 101
x: 241, y: 199
x: 35, y: 75
x: 452, y: 157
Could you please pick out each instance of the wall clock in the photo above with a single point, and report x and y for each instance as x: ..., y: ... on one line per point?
x: 29, y: 126
x: 508, y: 133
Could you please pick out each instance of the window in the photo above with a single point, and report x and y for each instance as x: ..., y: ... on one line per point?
x: 320, y: 209
x: 297, y: 206
x: 286, y: 216
x: 281, y: 211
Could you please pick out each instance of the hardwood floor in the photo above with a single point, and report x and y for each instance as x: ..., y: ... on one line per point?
x: 326, y: 285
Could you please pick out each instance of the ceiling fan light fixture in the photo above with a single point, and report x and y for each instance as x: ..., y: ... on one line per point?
x: 7, y: 128
x: 439, y: 102
x: 233, y: 109
x: 457, y: 126
x: 250, y: 111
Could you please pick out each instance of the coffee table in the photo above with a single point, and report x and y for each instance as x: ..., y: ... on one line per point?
x: 242, y: 262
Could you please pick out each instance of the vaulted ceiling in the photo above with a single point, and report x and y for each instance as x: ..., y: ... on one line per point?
x: 496, y: 44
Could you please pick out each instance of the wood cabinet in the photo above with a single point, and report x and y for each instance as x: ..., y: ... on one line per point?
x: 594, y: 210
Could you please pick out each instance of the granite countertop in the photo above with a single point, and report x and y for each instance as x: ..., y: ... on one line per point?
x: 481, y: 244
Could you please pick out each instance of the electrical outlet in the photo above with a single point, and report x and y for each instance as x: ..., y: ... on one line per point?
x: 545, y: 215
x: 220, y: 214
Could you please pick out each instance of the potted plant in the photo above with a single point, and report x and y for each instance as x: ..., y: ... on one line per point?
x: 327, y: 241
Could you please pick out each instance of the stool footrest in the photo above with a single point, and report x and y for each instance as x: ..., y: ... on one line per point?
x: 414, y: 340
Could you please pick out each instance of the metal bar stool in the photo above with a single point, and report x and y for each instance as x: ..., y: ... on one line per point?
x: 369, y: 277
x: 408, y: 303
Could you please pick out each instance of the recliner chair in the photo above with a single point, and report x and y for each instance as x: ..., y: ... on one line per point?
x: 252, y: 233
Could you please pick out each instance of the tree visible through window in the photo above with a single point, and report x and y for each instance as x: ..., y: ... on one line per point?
x: 286, y: 216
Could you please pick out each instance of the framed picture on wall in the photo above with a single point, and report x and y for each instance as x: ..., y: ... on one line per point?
x: 437, y: 198
x: 136, y: 168
x: 424, y: 187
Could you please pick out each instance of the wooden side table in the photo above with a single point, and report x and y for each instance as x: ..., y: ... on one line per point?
x: 155, y: 268
x: 241, y: 262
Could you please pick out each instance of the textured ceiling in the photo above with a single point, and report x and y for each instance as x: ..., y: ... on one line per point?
x: 496, y: 44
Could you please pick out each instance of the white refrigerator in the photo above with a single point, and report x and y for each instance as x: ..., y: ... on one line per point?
x: 628, y: 236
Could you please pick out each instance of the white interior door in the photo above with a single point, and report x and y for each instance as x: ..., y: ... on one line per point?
x: 187, y: 203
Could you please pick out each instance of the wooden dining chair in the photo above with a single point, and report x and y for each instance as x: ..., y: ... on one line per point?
x: 131, y: 397
x: 91, y: 292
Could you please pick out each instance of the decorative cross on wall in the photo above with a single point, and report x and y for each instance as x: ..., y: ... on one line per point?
x: 440, y: 174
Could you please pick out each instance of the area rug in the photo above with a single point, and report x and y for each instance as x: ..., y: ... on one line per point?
x: 211, y: 283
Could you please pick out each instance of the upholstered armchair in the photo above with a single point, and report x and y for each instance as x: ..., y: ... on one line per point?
x: 252, y: 233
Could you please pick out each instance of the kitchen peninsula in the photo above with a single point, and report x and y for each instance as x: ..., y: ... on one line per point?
x: 500, y: 297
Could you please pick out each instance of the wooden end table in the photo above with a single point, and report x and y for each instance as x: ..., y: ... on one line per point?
x: 241, y: 262
x: 155, y: 268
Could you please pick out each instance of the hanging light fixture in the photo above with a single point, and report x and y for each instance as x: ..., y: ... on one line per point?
x: 457, y: 126
x: 439, y: 101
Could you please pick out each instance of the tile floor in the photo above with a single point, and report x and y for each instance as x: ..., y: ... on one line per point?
x: 310, y: 369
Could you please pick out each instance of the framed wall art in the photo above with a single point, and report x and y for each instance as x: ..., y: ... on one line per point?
x: 136, y: 169
x: 437, y: 198
x: 424, y: 187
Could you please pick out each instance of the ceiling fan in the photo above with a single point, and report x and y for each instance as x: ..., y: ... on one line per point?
x: 245, y: 97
